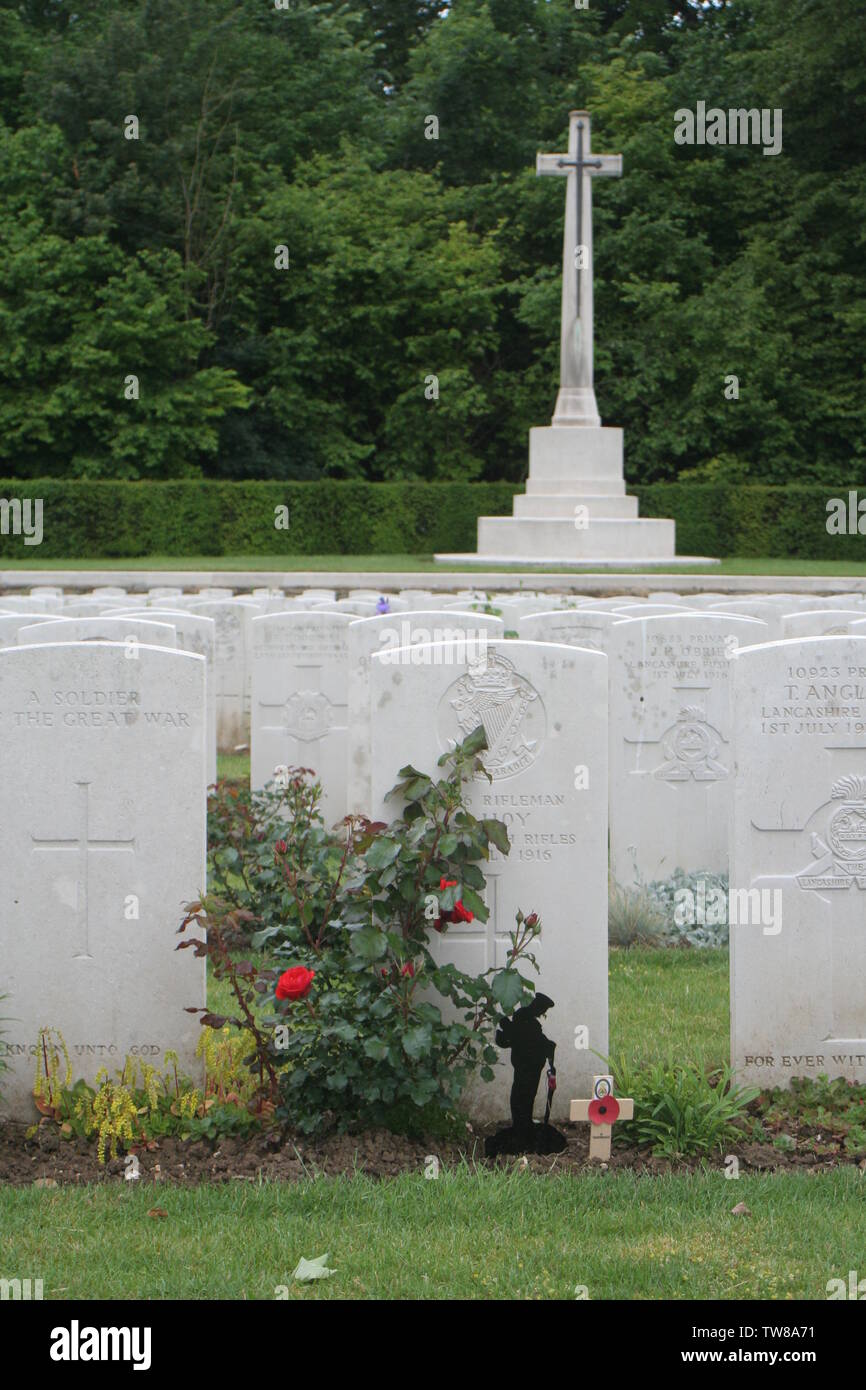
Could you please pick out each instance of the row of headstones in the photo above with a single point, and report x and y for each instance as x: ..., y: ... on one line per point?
x: 226, y: 642
x: 103, y: 769
x: 763, y: 777
x: 669, y: 778
x: 232, y: 649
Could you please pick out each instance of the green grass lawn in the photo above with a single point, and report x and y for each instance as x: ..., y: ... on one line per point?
x: 421, y: 564
x: 482, y: 1235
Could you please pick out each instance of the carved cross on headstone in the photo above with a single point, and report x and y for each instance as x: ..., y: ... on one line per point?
x: 83, y: 846
x: 602, y: 1112
x: 575, y: 404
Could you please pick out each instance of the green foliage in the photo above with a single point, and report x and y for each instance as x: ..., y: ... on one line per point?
x: 681, y: 1110
x: 411, y: 257
x: 677, y: 929
x: 826, y: 1115
x: 633, y: 917
x: 105, y: 519
x: 191, y: 518
x: 139, y: 1104
x: 378, y: 1028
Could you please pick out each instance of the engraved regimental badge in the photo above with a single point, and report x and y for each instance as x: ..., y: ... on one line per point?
x: 840, y: 849
x: 510, y: 709
x: 691, y: 748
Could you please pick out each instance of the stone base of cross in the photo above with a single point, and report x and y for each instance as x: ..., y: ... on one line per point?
x: 602, y: 1112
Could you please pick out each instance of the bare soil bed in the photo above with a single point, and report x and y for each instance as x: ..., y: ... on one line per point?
x: 51, y: 1161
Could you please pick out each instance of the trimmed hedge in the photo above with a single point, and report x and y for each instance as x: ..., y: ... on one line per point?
x: 104, y: 520
x: 752, y: 520
x: 107, y: 520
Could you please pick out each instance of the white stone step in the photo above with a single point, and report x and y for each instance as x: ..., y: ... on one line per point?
x: 533, y: 538
x: 575, y: 468
x: 563, y: 505
x: 591, y: 451
x: 587, y: 487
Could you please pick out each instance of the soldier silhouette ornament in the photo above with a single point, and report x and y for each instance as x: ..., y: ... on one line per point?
x: 530, y: 1049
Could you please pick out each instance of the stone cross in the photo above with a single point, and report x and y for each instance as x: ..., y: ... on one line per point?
x: 575, y: 404
x: 602, y: 1112
x: 83, y: 846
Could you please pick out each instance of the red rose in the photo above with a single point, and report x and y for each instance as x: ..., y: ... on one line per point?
x: 281, y: 847
x: 295, y: 983
x: 532, y: 920
x: 408, y: 969
x: 461, y: 913
x: 447, y: 883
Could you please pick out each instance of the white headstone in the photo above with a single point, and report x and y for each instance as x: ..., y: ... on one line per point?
x: 195, y: 633
x: 97, y: 629
x: 651, y: 610
x: 25, y: 603
x: 571, y: 628
x: 102, y: 811
x: 11, y: 624
x: 163, y: 591
x: 232, y: 672
x: 91, y: 605
x: 355, y: 607
x: 798, y: 860
x: 300, y: 700
x: 819, y: 622
x: 389, y: 631
x: 769, y: 613
x: 670, y: 756
x: 544, y: 709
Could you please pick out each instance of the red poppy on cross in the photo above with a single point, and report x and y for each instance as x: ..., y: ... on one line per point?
x: 602, y: 1112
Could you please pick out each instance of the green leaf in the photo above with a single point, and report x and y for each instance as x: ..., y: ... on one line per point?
x: 417, y: 1040
x: 417, y: 789
x: 375, y: 1049
x: 475, y: 904
x: 507, y: 989
x: 382, y: 852
x: 497, y: 834
x: 369, y: 943
x: 476, y: 742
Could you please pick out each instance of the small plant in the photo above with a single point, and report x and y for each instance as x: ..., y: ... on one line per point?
x: 693, y: 907
x: 816, y: 1113
x: 633, y: 917
x: 140, y: 1104
x: 681, y: 1110
x: 52, y: 1055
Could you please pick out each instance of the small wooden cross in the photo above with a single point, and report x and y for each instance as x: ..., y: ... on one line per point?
x: 602, y: 1104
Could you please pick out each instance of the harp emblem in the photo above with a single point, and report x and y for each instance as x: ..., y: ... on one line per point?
x: 494, y: 695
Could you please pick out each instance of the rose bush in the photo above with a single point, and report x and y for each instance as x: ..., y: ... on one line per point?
x: 367, y: 1027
